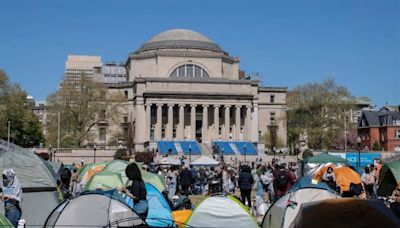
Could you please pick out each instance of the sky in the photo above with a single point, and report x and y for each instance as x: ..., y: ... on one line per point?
x: 289, y: 43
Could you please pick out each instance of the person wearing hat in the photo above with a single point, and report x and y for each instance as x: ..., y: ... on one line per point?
x: 11, y: 195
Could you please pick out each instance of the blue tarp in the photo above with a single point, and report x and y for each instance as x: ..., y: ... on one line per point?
x: 366, y: 158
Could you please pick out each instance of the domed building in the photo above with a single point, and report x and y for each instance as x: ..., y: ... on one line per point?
x: 184, y: 87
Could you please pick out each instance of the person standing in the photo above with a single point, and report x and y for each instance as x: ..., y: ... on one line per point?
x: 137, y: 190
x: 185, y: 179
x: 172, y: 182
x: 245, y: 183
x: 368, y: 180
x: 12, y: 196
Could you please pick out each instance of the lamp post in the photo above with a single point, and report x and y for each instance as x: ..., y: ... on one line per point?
x: 94, y: 153
x: 359, y: 150
x: 245, y: 147
x: 222, y: 155
x: 297, y: 151
x: 8, y: 135
x: 50, y: 153
x: 190, y: 153
x: 274, y: 150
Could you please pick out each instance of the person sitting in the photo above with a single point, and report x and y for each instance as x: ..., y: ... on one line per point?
x: 12, y: 196
x: 329, y: 178
x: 137, y: 190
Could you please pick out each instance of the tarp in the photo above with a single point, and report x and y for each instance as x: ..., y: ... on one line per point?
x: 366, y: 158
x: 349, y: 212
x: 104, y: 180
x: 221, y: 211
x: 344, y: 176
x: 38, y: 184
x: 4, y: 223
x: 325, y: 158
x: 170, y: 161
x: 181, y: 216
x: 284, y: 210
x: 93, y: 210
x: 205, y: 161
x: 389, y: 178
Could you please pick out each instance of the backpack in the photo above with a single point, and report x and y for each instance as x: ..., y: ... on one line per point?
x: 282, y: 180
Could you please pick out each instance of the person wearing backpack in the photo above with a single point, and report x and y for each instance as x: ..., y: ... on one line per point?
x: 283, y: 181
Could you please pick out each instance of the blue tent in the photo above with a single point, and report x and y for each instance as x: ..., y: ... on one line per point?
x: 159, y: 214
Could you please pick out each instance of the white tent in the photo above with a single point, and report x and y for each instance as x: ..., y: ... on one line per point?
x: 205, y: 161
x: 283, y: 212
x: 170, y: 161
x: 221, y: 211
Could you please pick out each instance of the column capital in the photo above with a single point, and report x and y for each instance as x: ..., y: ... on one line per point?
x: 216, y: 105
x: 160, y: 104
x: 148, y: 104
x: 193, y: 105
x: 227, y: 106
x: 248, y: 106
x: 181, y: 105
x: 238, y: 106
x: 171, y: 105
x: 205, y: 106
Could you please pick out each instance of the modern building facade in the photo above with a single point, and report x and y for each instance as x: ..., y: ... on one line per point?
x: 110, y: 72
x: 382, y: 128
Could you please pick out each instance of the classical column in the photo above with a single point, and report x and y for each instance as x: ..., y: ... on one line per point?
x: 216, y: 122
x: 237, y: 123
x: 204, y: 133
x: 193, y: 121
x: 148, y: 121
x: 248, y: 123
x: 170, y: 123
x: 254, y: 125
x: 181, y: 125
x: 227, y: 121
x: 159, y: 122
x: 140, y: 124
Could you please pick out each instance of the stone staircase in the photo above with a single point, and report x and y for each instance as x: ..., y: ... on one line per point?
x: 205, y: 149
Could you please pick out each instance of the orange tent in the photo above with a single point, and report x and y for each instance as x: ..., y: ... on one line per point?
x: 181, y: 216
x: 344, y: 176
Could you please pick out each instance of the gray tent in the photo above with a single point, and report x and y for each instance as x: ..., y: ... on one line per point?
x: 96, y: 209
x: 38, y: 185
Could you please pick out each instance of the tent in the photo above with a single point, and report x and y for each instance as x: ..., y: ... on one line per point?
x: 89, y: 170
x: 221, y: 211
x: 4, y: 223
x: 104, y: 180
x: 389, y: 178
x: 38, y: 184
x: 344, y: 176
x: 118, y: 166
x: 325, y: 158
x: 170, y: 161
x: 311, y: 165
x: 347, y: 212
x: 181, y: 216
x: 205, y: 161
x: 156, y: 180
x: 285, y: 209
x: 159, y: 214
x: 95, y: 209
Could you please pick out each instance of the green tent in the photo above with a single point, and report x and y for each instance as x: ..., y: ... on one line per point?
x: 105, y: 181
x: 86, y: 167
x: 389, y: 177
x: 156, y: 180
x: 325, y: 158
x: 118, y: 166
x: 4, y: 222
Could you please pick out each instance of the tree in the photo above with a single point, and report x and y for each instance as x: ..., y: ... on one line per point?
x: 83, y: 106
x: 319, y: 109
x: 121, y: 154
x: 25, y: 129
x: 376, y: 146
x: 268, y: 141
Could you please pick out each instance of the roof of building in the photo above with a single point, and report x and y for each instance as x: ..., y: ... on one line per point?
x: 373, y: 118
x: 392, y: 108
x: 178, y: 39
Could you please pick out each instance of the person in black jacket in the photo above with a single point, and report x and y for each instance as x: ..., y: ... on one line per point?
x: 245, y: 182
x: 137, y: 191
x: 185, y: 179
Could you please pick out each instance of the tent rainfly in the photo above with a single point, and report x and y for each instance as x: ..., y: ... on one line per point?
x: 95, y: 209
x: 170, y: 161
x: 221, y: 211
x: 4, y: 223
x: 389, y: 178
x: 205, y: 161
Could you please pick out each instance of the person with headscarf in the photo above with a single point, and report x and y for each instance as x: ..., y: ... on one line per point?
x: 137, y: 190
x: 12, y: 196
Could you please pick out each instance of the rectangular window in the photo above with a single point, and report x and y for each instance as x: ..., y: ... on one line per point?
x: 102, y: 115
x: 272, y: 98
x: 272, y: 116
x: 125, y: 119
x: 397, y: 148
x: 397, y: 134
x: 102, y: 134
x: 126, y: 94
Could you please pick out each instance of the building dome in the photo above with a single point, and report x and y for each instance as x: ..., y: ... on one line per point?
x: 178, y: 39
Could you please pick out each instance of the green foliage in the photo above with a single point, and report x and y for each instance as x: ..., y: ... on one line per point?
x: 145, y: 157
x: 307, y: 153
x: 83, y: 106
x: 25, y: 129
x: 268, y: 141
x: 318, y: 109
x: 121, y: 154
x: 376, y: 146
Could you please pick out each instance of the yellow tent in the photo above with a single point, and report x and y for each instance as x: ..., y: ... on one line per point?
x: 344, y: 176
x: 181, y: 216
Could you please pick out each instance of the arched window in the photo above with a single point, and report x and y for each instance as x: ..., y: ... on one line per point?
x: 190, y: 71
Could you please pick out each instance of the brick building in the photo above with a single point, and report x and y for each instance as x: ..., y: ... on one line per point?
x: 381, y: 127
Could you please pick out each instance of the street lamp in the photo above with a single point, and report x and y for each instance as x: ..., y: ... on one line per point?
x: 94, y: 153
x: 8, y: 135
x: 222, y: 155
x: 190, y: 153
x: 274, y: 150
x: 297, y: 151
x: 245, y: 147
x: 359, y: 150
x: 50, y: 153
